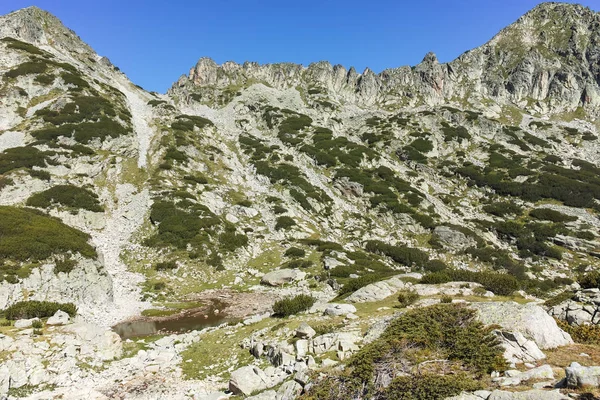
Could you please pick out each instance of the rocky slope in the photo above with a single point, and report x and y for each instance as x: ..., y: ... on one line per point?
x: 246, y: 184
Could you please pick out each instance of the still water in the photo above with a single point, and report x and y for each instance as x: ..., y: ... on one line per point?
x: 183, y: 323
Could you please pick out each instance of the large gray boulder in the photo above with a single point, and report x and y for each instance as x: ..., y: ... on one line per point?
x: 479, y: 395
x: 579, y: 376
x: 536, y: 394
x: 335, y: 310
x: 515, y: 377
x: 582, y: 309
x: 25, y: 323
x: 451, y: 238
x: 59, y: 318
x: 305, y: 331
x: 377, y: 291
x: 106, y: 344
x: 4, y: 380
x: 282, y: 276
x: 289, y: 390
x: 246, y: 380
x: 528, y: 319
x: 517, y: 348
x: 266, y: 395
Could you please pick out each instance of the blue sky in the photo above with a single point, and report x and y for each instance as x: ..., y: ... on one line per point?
x: 155, y: 41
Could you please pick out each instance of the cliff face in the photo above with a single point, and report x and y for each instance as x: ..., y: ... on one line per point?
x: 546, y: 61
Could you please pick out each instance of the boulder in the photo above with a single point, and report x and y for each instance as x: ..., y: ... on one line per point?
x: 528, y: 319
x: 582, y: 309
x: 467, y: 396
x: 535, y: 394
x: 25, y: 323
x: 110, y: 346
x: 343, y: 341
x: 302, y: 377
x: 452, y: 239
x: 301, y: 347
x: 517, y: 348
x: 335, y: 310
x: 305, y: 331
x: 515, y: 377
x: 214, y: 396
x: 282, y: 276
x: 266, y: 395
x: 59, y: 318
x: 4, y: 380
x: 578, y: 376
x: 541, y: 372
x: 289, y: 390
x: 331, y: 263
x: 246, y: 380
x: 377, y: 291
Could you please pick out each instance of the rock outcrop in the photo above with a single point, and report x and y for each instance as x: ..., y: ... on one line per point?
x: 87, y: 286
x: 510, y: 69
x: 583, y: 309
x: 528, y: 319
x: 578, y: 376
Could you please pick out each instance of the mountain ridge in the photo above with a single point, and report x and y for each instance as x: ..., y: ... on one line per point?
x: 283, y: 196
x: 436, y: 83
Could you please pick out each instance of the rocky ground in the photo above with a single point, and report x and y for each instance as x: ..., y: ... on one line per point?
x: 472, y: 183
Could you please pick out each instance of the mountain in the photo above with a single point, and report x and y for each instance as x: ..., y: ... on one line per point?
x: 245, y: 186
x: 550, y: 52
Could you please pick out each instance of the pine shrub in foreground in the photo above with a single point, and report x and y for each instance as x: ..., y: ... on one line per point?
x: 428, y: 353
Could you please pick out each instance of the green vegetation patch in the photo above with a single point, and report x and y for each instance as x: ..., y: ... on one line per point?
x: 186, y: 223
x: 498, y: 283
x: 12, y: 43
x: 404, y: 255
x: 21, y: 157
x: 585, y: 334
x: 27, y: 68
x: 551, y: 215
x: 188, y: 122
x: 84, y: 119
x: 284, y: 222
x: 503, y: 208
x: 455, y: 133
x: 574, y: 187
x: 293, y: 305
x: 457, y: 350
x: 82, y: 108
x: 30, y: 235
x: 388, y: 191
x: 37, y: 309
x: 68, y: 196
x: 84, y: 132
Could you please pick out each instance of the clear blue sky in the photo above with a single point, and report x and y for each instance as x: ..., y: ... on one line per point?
x: 155, y: 41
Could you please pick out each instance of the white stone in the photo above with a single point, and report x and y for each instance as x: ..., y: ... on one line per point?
x: 339, y: 309
x: 59, y: 318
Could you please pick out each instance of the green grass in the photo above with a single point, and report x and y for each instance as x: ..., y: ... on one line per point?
x: 284, y: 222
x: 27, y: 68
x: 69, y: 196
x: 84, y: 132
x: 37, y: 309
x: 12, y: 43
x: 26, y: 234
x: 21, y: 157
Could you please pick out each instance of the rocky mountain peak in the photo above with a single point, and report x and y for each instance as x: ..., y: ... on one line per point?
x: 39, y: 27
x: 550, y: 53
